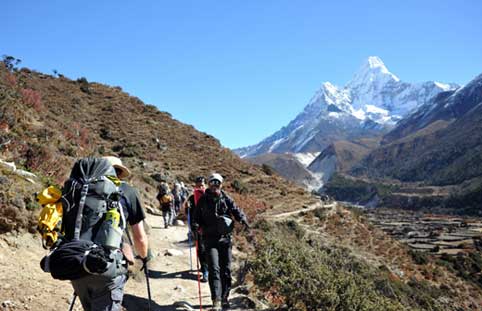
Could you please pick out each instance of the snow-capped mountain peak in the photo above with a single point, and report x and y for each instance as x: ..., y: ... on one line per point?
x: 373, y: 71
x: 329, y: 88
x: 373, y: 101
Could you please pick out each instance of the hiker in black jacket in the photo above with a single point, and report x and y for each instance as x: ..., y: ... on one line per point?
x: 213, y: 218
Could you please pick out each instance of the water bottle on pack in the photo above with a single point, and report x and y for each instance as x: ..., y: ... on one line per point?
x: 110, y: 232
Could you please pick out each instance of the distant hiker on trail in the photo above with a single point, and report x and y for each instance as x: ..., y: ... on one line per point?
x: 184, y: 193
x: 190, y: 206
x: 213, y: 217
x: 177, y: 195
x: 97, y: 207
x: 166, y: 202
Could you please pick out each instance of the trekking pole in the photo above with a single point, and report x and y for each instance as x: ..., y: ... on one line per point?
x: 198, y: 277
x: 146, y: 272
x: 72, y: 301
x: 189, y: 235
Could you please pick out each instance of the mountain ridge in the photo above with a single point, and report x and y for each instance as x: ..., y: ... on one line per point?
x: 370, y: 104
x: 435, y: 144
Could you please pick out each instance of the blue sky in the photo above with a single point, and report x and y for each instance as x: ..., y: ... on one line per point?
x: 240, y: 70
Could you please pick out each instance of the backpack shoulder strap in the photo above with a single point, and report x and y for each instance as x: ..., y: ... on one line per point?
x: 78, y: 219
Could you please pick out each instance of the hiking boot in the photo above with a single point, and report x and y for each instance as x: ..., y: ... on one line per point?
x: 204, y: 278
x: 225, y: 304
x: 217, y: 306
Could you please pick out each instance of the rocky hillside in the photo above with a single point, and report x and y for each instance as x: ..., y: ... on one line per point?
x: 288, y: 166
x: 439, y: 144
x: 341, y: 156
x: 430, y: 161
x: 47, y: 122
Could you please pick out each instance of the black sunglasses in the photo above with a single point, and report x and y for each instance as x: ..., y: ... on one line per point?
x: 215, y: 182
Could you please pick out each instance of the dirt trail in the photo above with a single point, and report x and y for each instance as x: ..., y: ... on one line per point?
x: 23, y: 286
x: 298, y: 211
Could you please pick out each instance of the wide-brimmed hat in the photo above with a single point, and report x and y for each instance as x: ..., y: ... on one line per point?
x: 117, y: 163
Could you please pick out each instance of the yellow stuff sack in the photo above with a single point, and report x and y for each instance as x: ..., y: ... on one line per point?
x: 50, y: 218
x: 166, y: 199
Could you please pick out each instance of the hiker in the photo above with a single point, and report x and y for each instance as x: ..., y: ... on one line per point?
x: 190, y: 206
x: 103, y: 291
x: 184, y: 193
x: 166, y: 203
x: 176, y: 194
x: 213, y: 218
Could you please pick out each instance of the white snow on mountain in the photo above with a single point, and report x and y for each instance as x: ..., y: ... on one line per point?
x: 444, y: 86
x: 374, y: 97
x: 306, y: 158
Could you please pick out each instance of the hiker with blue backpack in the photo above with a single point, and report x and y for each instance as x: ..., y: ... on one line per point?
x: 97, y: 208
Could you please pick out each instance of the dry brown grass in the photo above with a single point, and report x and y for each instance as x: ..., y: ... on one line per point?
x: 77, y: 119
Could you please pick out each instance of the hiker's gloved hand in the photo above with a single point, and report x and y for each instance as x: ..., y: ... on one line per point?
x: 146, y: 259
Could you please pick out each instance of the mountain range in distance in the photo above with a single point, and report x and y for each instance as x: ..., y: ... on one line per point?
x: 380, y: 127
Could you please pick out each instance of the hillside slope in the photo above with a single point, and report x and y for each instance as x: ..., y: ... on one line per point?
x: 47, y: 122
x: 439, y: 144
x: 288, y: 166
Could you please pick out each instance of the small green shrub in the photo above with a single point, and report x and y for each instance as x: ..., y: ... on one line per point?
x: 239, y: 187
x: 31, y: 204
x: 84, y: 85
x: 320, y: 213
x: 268, y: 170
x: 419, y: 257
x: 466, y: 266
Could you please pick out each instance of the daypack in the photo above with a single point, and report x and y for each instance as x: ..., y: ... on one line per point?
x: 164, y: 196
x: 92, y: 219
x: 165, y: 199
x: 50, y: 218
x: 224, y: 223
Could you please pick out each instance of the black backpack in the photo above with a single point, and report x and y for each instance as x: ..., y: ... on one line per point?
x: 91, y: 190
x: 92, y: 187
x: 224, y: 223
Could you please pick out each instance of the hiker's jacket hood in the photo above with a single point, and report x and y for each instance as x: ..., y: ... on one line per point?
x: 210, y: 206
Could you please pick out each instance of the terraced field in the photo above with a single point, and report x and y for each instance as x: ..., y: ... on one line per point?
x: 438, y: 234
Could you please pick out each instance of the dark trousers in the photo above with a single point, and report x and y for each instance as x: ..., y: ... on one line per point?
x: 202, y: 254
x: 219, y: 264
